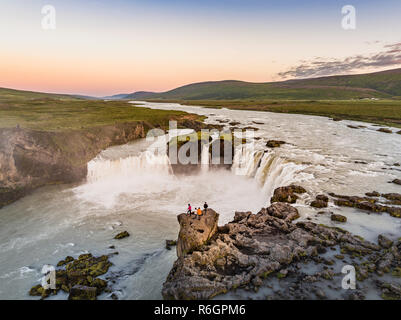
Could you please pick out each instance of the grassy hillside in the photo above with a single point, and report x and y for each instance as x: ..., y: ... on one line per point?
x: 52, y: 112
x: 383, y: 85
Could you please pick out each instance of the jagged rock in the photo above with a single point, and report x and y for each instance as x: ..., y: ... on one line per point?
x: 338, y: 218
x: 384, y: 242
x: 287, y: 194
x: 79, y: 292
x: 283, y: 211
x: 194, y: 233
x: 122, y: 235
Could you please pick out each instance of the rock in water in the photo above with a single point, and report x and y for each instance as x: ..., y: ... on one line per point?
x: 195, y: 233
x: 338, y: 218
x: 397, y: 181
x: 82, y: 293
x: 122, y: 235
x: 274, y: 143
x: 287, y: 194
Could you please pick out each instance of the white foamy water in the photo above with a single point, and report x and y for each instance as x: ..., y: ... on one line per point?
x: 131, y: 188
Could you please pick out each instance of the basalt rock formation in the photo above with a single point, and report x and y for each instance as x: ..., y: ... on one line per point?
x: 255, y: 250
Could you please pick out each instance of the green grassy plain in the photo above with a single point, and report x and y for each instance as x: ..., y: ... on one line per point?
x: 48, y: 112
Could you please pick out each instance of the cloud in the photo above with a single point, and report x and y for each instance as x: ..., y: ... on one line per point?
x: 389, y: 56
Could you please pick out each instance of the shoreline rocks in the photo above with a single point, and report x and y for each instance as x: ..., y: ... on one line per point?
x: 252, y: 250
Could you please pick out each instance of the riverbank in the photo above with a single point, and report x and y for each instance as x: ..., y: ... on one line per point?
x: 384, y: 112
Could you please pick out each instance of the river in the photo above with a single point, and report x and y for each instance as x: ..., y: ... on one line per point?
x: 131, y: 188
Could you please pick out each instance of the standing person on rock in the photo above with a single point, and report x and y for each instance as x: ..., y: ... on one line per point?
x: 199, y: 212
x: 189, y: 210
x: 205, y: 206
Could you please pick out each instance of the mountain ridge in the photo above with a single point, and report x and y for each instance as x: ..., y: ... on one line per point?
x: 382, y: 85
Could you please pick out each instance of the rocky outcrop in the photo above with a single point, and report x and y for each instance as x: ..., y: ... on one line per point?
x: 195, y: 231
x: 371, y: 204
x: 287, y: 194
x: 247, y: 252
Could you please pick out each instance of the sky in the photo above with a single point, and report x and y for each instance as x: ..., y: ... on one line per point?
x: 101, y: 48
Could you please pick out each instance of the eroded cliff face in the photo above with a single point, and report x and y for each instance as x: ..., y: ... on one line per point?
x: 30, y: 159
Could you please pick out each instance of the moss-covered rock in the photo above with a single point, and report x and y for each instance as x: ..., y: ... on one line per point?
x: 83, y: 271
x: 385, y: 130
x: 79, y: 292
x: 338, y: 218
x: 122, y: 235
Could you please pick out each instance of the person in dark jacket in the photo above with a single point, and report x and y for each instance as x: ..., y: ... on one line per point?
x: 205, y: 206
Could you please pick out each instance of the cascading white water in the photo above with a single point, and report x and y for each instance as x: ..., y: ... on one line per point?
x: 268, y: 169
x: 147, y: 161
x: 205, y: 158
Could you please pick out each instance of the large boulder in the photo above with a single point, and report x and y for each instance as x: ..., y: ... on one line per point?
x: 194, y: 232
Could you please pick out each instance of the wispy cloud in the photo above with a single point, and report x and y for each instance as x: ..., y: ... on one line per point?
x: 389, y: 56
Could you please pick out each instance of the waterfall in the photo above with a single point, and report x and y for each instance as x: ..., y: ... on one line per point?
x: 267, y: 168
x: 205, y: 158
x: 146, y: 162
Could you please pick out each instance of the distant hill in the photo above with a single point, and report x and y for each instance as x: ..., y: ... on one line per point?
x: 385, y: 85
x: 6, y: 93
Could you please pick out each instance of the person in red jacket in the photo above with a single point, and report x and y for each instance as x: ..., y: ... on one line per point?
x: 189, y: 211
